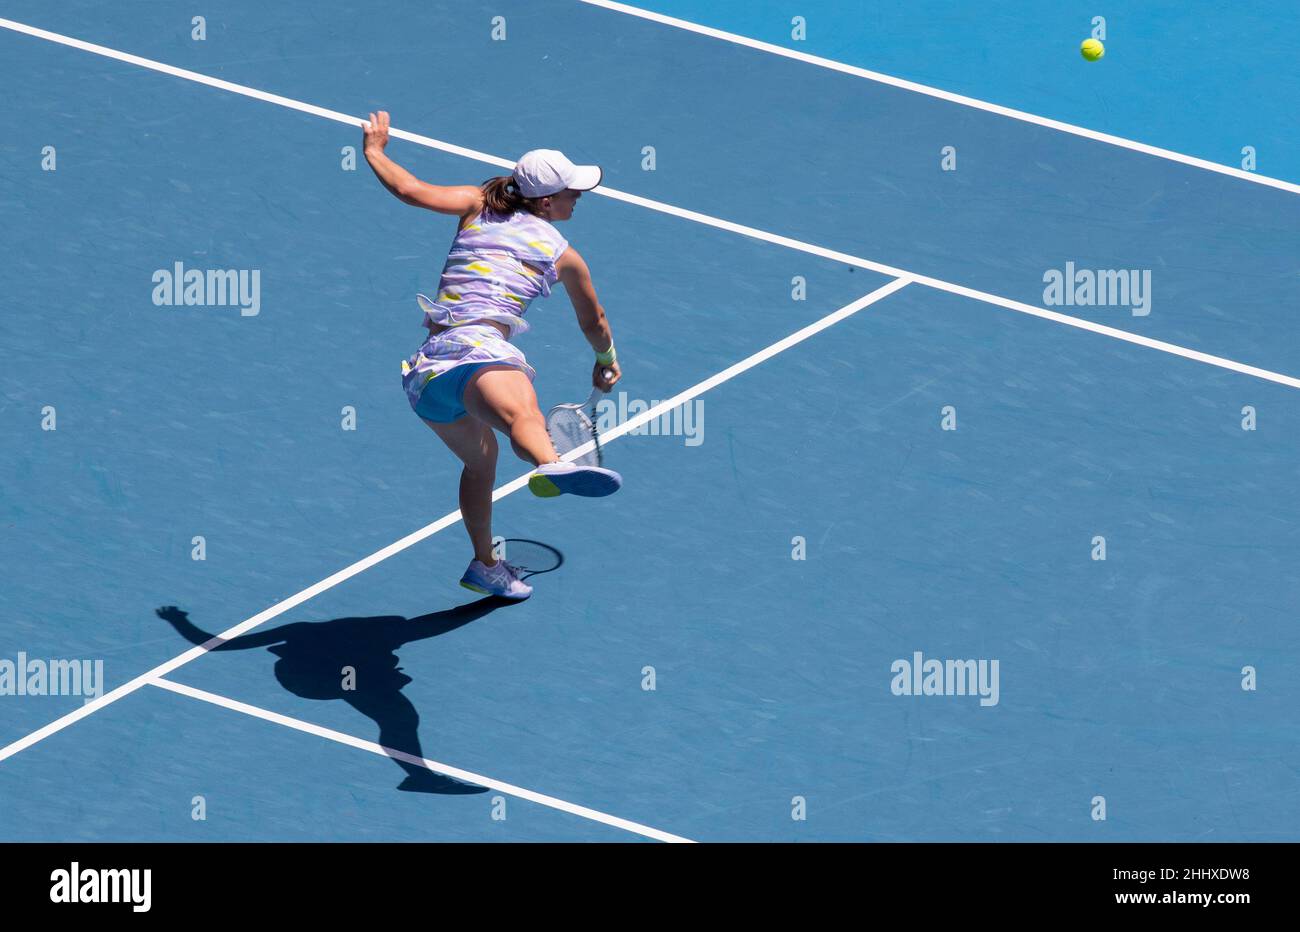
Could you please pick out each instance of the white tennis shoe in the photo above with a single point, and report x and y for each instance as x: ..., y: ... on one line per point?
x: 500, y: 579
x: 552, y: 479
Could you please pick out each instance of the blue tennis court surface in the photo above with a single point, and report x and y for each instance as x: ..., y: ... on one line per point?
x: 938, y: 470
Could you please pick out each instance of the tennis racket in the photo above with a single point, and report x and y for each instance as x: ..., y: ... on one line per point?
x: 572, y: 425
x: 530, y: 557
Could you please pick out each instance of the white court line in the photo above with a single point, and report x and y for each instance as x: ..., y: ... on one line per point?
x: 940, y: 285
x: 945, y: 95
x: 748, y: 362
x: 245, y: 91
x: 429, y: 530
x: 465, y: 776
x: 680, y: 212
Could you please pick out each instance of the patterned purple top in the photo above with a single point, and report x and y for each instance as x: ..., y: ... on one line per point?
x: 496, y: 266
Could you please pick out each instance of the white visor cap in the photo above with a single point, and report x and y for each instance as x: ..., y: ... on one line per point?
x: 548, y: 171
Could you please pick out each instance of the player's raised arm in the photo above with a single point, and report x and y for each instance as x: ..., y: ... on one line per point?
x: 456, y: 199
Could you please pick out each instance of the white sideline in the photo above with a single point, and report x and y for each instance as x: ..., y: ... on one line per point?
x: 429, y: 530
x: 465, y: 776
x: 928, y: 91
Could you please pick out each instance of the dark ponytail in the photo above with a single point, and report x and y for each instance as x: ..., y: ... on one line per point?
x: 501, y: 196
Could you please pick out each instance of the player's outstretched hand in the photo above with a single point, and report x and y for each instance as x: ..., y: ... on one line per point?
x: 376, y: 132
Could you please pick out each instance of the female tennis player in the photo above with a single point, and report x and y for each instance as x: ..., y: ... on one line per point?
x: 467, y: 378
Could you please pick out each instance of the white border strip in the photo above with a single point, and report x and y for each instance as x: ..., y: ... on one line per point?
x: 680, y: 212
x: 465, y: 776
x: 245, y: 91
x: 429, y: 530
x: 940, y: 285
x: 748, y: 362
x: 945, y: 95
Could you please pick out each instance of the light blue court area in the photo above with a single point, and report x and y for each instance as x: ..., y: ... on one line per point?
x: 935, y: 470
x: 1229, y: 67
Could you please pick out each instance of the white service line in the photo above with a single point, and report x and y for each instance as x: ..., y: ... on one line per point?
x: 748, y: 362
x: 680, y: 212
x: 940, y: 285
x: 248, y: 624
x: 429, y: 530
x: 945, y: 95
x: 465, y: 776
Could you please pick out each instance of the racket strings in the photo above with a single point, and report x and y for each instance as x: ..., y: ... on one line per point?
x: 570, y: 428
x: 530, y: 557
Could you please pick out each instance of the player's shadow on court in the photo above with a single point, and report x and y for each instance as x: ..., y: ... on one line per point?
x: 315, y: 657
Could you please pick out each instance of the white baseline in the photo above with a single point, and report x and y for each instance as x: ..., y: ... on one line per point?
x: 466, y: 776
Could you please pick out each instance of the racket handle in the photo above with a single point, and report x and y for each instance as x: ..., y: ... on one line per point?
x: 606, y: 374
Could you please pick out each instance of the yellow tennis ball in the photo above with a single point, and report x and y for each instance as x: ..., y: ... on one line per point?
x: 1092, y: 49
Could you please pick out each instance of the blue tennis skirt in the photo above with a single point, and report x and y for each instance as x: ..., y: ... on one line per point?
x: 435, y: 377
x: 442, y: 400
